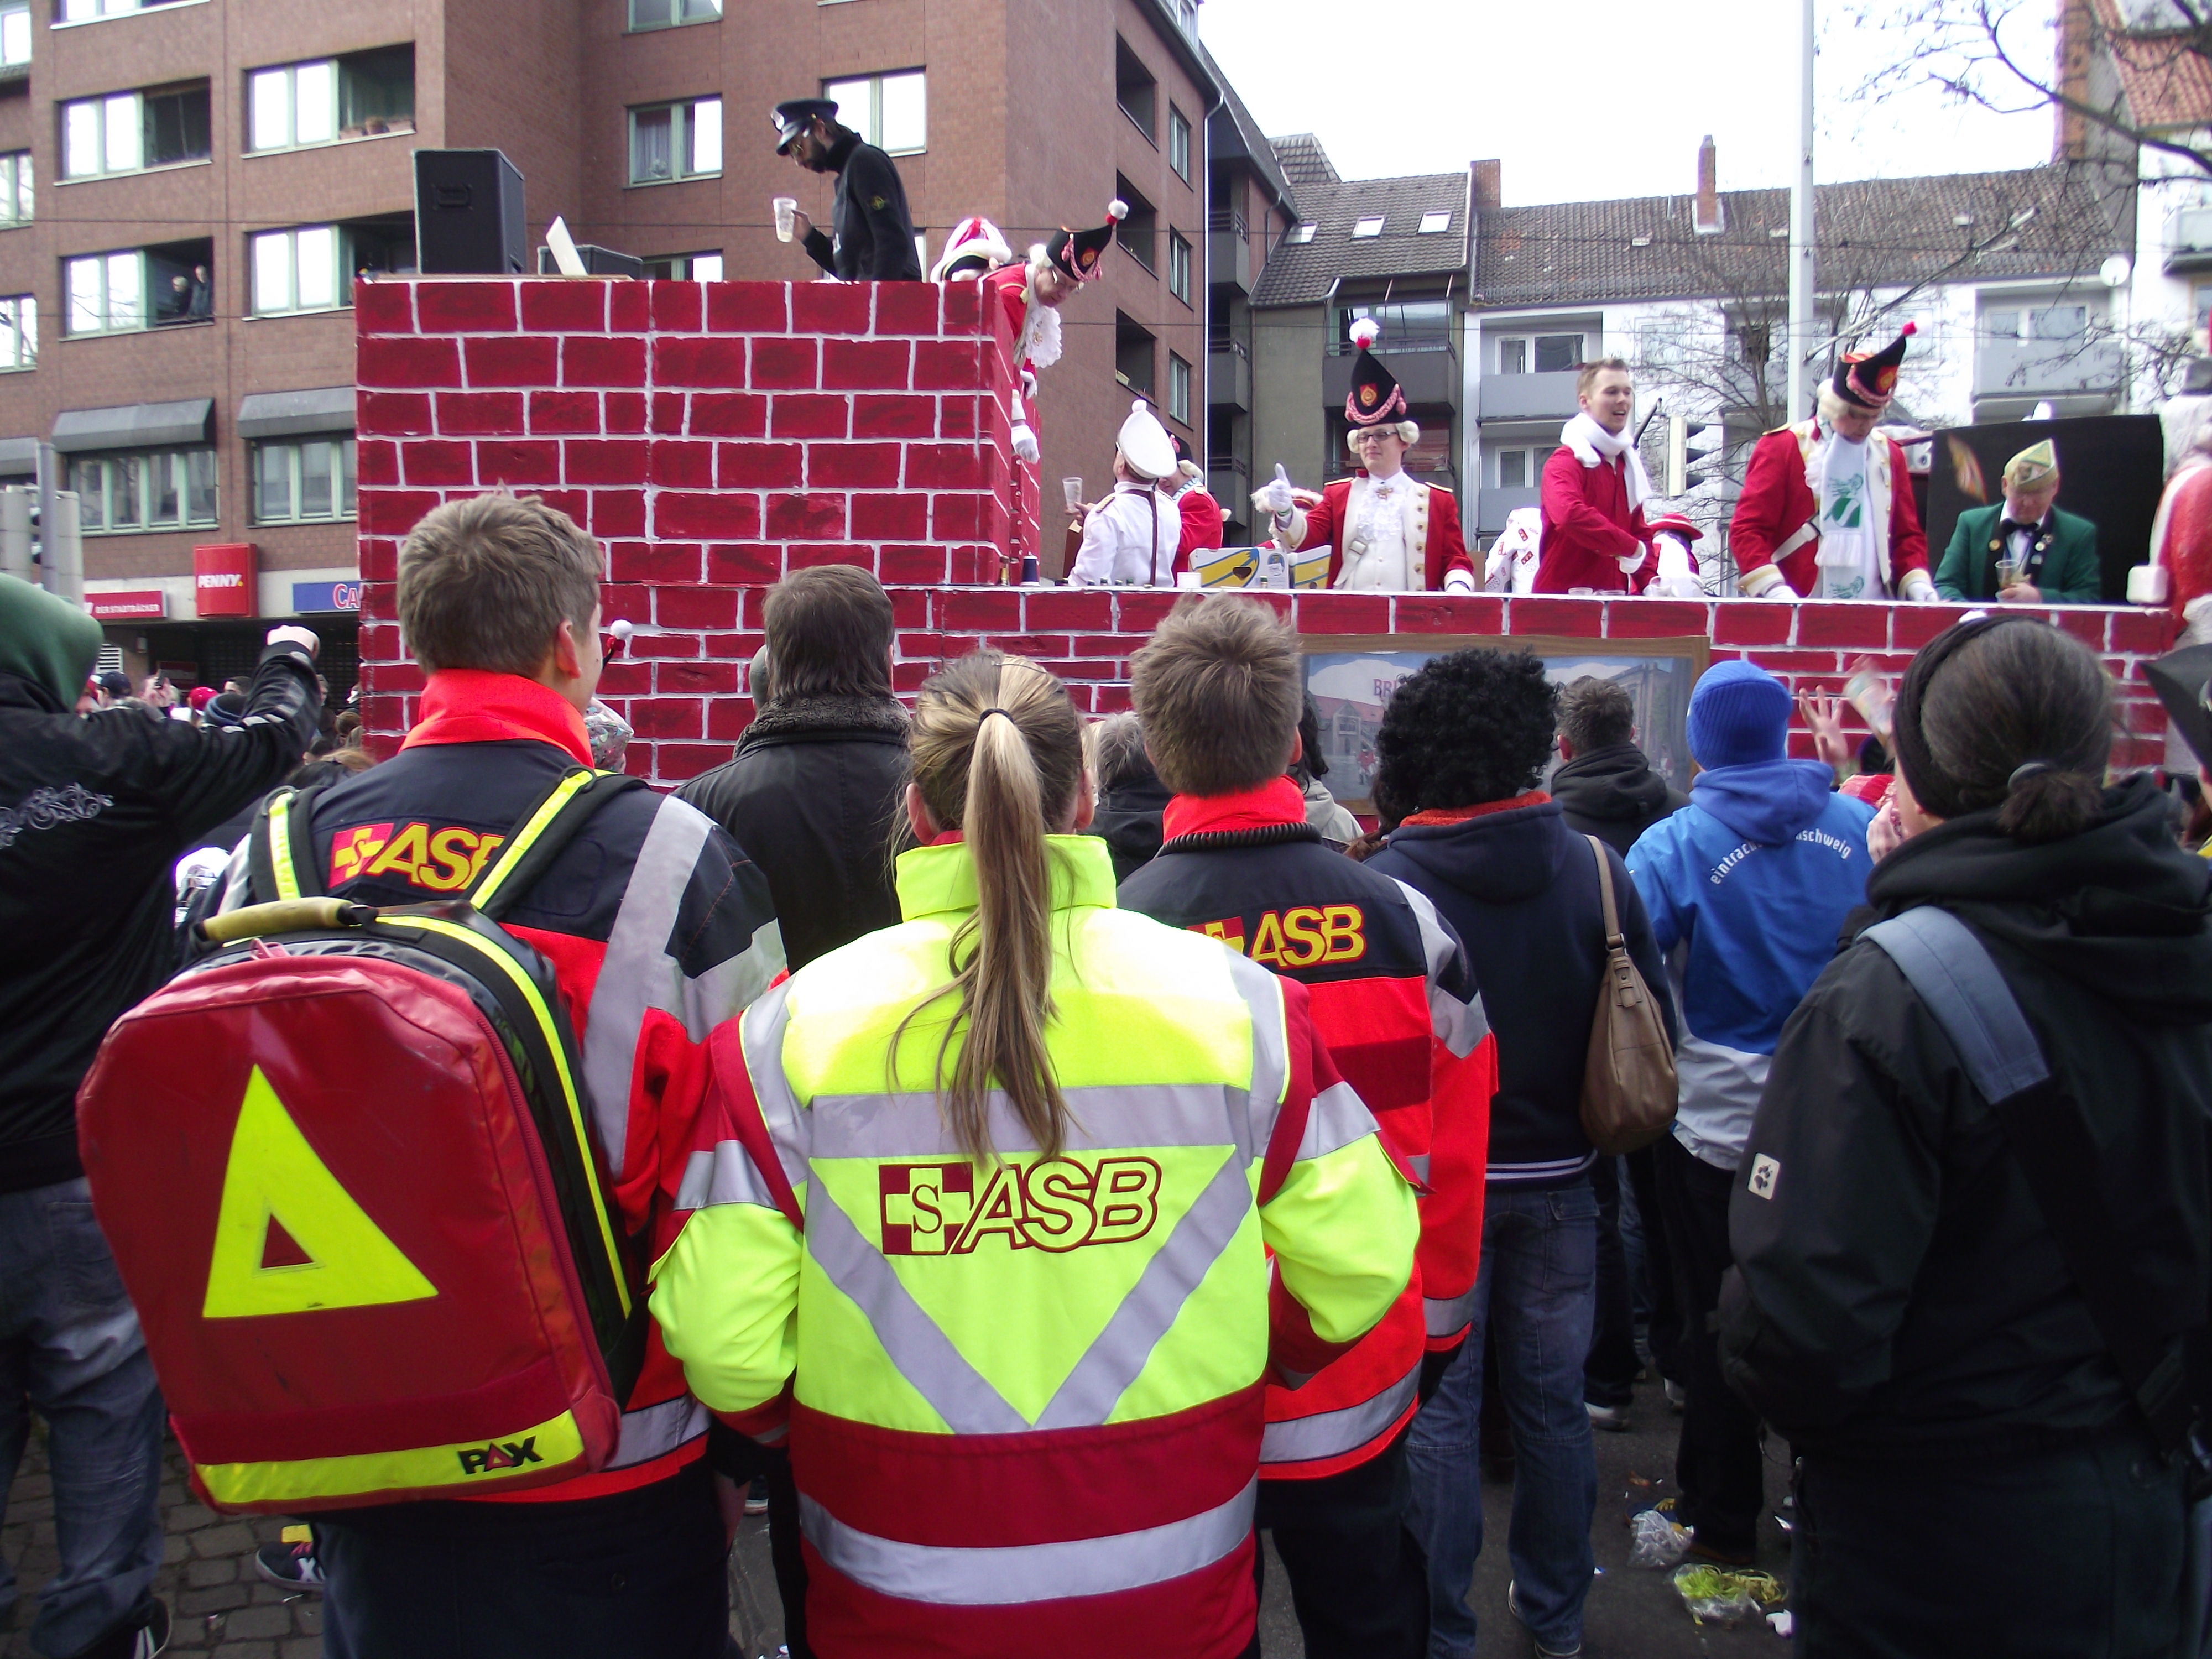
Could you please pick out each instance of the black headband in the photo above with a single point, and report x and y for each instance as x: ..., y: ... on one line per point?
x: 1930, y: 786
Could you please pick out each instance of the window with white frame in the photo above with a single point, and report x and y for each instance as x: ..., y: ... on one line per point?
x: 1372, y: 226
x: 1539, y: 354
x: 145, y: 489
x: 84, y: 11
x: 19, y: 331
x: 890, y: 111
x: 303, y: 480
x: 687, y: 267
x: 1179, y: 142
x: 1433, y: 222
x: 363, y: 94
x: 1518, y: 467
x: 131, y: 132
x: 676, y: 140
x: 15, y: 34
x: 1300, y: 232
x: 15, y: 193
x: 131, y: 289
x: 669, y: 14
x: 297, y: 270
x: 2053, y: 320
x: 1179, y: 266
x: 1178, y: 388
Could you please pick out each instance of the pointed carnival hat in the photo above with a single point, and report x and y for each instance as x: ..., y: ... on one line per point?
x: 1144, y: 444
x: 974, y: 249
x: 2033, y: 467
x: 1375, y: 396
x: 1868, y: 378
x: 1076, y: 254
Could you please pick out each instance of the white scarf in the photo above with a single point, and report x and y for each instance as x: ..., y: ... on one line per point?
x: 1592, y: 443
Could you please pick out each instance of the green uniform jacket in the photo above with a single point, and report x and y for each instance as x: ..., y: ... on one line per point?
x: 2070, y: 573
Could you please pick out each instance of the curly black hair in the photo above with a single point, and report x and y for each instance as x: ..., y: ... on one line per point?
x: 1470, y: 727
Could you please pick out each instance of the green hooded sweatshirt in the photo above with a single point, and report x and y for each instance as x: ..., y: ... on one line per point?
x: 48, y: 640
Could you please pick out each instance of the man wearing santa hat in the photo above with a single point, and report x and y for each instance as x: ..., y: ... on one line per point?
x: 1594, y: 490
x: 1032, y: 294
x: 1827, y: 510
x: 1133, y: 535
x: 1384, y: 532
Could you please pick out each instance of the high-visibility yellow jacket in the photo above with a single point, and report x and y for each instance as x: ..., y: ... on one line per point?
x: 1023, y: 1398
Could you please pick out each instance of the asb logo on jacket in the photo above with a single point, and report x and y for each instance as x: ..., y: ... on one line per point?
x: 1304, y: 937
x: 443, y: 860
x: 1061, y: 1204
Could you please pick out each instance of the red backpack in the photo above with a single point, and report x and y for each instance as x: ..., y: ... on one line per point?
x: 349, y: 1180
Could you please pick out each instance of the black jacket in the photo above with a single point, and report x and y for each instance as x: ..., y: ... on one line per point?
x: 1612, y: 793
x: 814, y: 794
x: 1521, y: 890
x: 94, y: 812
x: 871, y: 238
x: 1897, y: 1292
x: 1128, y: 820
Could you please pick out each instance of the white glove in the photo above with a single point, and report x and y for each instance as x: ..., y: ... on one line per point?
x: 1458, y: 580
x: 1273, y: 498
x: 1917, y: 587
x: 1029, y: 384
x: 1026, y: 443
x: 1766, y: 582
x: 1630, y: 566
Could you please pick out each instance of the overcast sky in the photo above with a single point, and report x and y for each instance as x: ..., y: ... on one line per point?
x: 1591, y: 98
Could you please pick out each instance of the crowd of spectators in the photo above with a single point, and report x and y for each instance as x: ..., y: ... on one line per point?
x: 1838, y: 1253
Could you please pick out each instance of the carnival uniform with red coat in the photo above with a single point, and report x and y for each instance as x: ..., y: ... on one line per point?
x: 1775, y: 534
x: 1383, y: 534
x: 1590, y: 527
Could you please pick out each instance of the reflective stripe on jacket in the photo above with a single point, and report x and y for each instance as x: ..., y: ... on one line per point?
x: 1392, y: 1000
x: 1024, y: 1396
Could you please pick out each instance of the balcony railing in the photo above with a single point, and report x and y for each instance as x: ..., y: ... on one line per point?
x: 1491, y: 506
x: 1429, y: 374
x: 1527, y: 397
x: 1229, y: 252
x: 1229, y: 384
x: 2029, y: 367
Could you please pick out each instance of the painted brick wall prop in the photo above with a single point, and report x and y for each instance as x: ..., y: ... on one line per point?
x: 716, y: 436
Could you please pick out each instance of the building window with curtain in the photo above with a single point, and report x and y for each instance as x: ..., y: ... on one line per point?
x: 668, y: 141
x: 148, y: 489
x: 303, y: 480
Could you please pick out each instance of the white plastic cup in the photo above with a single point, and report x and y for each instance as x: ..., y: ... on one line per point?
x: 1072, y: 489
x: 787, y: 209
x: 1187, y: 579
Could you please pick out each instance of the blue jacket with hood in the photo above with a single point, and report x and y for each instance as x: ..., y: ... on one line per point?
x: 1747, y: 889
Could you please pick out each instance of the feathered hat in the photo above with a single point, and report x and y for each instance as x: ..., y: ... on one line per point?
x: 1868, y: 378
x: 972, y: 249
x: 1076, y: 254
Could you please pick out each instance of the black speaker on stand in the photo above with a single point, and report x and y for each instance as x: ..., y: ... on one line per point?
x: 468, y: 214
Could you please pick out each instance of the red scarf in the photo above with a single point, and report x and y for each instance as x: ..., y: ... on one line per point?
x: 1461, y: 814
x: 475, y: 705
x: 1276, y: 801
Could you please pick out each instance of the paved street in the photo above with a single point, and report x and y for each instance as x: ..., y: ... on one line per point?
x: 223, y: 1611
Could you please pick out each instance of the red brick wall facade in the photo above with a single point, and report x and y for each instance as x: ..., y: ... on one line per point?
x: 716, y: 436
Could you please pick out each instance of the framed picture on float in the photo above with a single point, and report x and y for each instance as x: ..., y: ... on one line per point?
x: 1351, y: 677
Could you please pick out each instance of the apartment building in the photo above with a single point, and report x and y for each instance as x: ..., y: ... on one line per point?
x: 188, y: 188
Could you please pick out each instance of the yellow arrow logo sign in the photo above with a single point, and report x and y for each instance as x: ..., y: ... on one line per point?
x: 289, y: 1238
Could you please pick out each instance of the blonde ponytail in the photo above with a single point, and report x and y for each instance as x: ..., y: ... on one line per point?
x: 997, y: 754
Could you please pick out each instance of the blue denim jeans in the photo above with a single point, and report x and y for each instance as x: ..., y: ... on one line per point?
x: 1534, y: 1299
x: 70, y: 1350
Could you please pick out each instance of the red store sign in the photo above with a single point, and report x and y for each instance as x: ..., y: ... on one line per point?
x: 223, y: 579
x: 140, y: 604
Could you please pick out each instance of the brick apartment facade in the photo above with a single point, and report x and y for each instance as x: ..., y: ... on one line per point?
x: 157, y: 142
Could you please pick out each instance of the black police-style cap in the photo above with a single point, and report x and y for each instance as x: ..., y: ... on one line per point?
x: 794, y: 115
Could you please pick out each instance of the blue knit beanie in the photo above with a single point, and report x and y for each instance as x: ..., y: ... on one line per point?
x: 1739, y: 716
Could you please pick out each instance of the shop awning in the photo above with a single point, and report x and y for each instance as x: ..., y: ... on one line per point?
x: 134, y: 426
x: 287, y: 414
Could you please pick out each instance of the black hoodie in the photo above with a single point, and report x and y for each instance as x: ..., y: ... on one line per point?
x: 1900, y: 1293
x: 1612, y: 793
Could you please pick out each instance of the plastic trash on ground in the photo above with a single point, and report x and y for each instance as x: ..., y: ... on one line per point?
x: 1718, y: 1596
x: 1656, y: 1541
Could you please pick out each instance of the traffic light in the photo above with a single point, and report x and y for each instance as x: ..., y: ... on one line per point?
x: 1694, y: 450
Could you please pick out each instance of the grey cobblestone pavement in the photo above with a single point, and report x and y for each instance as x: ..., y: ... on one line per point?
x: 223, y: 1610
